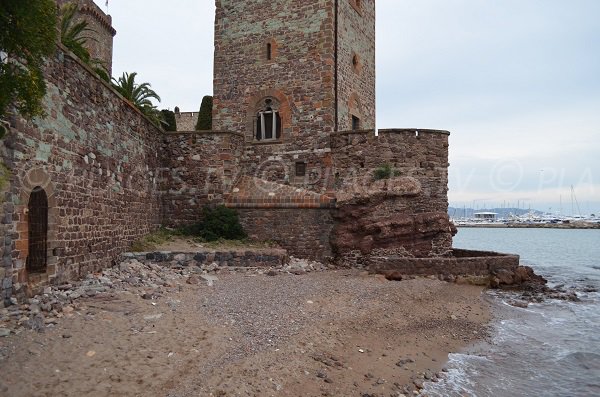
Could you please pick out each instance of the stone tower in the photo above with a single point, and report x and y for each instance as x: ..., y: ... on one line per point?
x: 289, y: 72
x: 101, y: 31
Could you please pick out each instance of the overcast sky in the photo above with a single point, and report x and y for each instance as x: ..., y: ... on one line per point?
x: 516, y: 82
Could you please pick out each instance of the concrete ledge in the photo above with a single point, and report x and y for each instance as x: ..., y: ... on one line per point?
x: 462, y: 262
x: 233, y: 258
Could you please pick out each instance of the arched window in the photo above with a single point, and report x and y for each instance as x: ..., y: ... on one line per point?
x: 37, y: 258
x: 268, y: 122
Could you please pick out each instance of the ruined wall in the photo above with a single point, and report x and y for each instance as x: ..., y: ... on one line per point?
x: 304, y: 233
x: 405, y: 214
x: 96, y: 157
x: 199, y: 168
x: 100, y: 44
x: 356, y: 63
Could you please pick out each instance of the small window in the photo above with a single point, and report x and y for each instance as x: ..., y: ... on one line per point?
x: 355, y: 123
x: 268, y: 125
x: 300, y: 169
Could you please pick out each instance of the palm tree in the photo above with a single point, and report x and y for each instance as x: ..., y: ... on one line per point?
x: 71, y: 32
x: 72, y: 36
x: 139, y: 95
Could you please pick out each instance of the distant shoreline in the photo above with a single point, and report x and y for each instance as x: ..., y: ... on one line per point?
x: 534, y: 225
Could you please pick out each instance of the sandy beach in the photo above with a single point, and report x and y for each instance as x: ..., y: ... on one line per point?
x: 332, y: 333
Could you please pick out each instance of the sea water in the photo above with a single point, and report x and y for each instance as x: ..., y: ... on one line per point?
x: 548, y: 349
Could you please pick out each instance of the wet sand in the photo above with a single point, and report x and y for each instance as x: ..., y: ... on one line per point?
x: 333, y: 333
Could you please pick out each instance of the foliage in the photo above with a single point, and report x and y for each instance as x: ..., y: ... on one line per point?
x: 205, y: 115
x: 385, y: 171
x: 72, y: 32
x: 217, y: 223
x: 27, y: 35
x: 170, y: 124
x: 140, y: 95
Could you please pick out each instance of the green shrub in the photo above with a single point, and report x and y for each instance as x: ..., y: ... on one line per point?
x: 385, y: 171
x: 217, y: 223
x: 382, y: 172
x: 205, y: 115
x: 169, y: 123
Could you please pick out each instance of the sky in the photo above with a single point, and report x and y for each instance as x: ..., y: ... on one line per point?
x: 516, y: 82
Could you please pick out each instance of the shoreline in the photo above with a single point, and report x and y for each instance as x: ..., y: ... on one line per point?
x: 339, y: 332
x: 532, y: 226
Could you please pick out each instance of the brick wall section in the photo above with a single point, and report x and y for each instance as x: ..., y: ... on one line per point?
x: 356, y: 83
x: 97, y: 158
x: 186, y: 121
x: 303, y: 232
x: 199, y: 168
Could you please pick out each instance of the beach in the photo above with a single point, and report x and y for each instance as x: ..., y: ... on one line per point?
x: 328, y: 333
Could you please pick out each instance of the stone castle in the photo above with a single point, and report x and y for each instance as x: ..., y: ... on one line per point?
x: 293, y: 150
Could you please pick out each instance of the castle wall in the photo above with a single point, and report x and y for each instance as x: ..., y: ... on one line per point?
x: 97, y: 159
x: 405, y: 214
x: 186, y: 121
x: 199, y: 168
x: 304, y: 233
x: 356, y: 63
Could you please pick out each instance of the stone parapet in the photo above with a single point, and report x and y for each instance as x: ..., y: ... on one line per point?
x: 254, y: 257
x: 461, y: 262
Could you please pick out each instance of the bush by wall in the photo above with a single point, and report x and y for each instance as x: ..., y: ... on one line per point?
x: 217, y: 223
x: 205, y: 115
x: 170, y: 124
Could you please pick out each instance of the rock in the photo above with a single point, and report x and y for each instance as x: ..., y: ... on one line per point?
x: 405, y: 361
x: 193, y: 280
x: 4, y: 332
x: 36, y: 323
x: 271, y: 272
x: 209, y: 279
x: 504, y: 276
x: 393, y: 276
x: 153, y: 317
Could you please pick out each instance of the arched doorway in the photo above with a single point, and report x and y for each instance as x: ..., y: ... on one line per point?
x: 37, y: 258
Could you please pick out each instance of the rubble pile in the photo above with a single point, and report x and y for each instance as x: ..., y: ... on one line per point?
x: 145, y: 279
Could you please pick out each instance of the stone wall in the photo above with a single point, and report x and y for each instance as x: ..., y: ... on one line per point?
x: 97, y: 159
x: 461, y: 262
x: 186, y: 121
x: 252, y: 257
x: 199, y: 168
x: 405, y: 214
x: 304, y: 233
x: 356, y: 63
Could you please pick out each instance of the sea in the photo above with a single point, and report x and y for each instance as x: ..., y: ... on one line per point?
x: 547, y: 349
